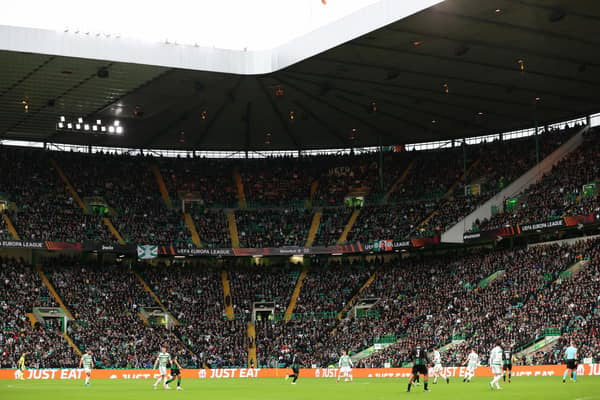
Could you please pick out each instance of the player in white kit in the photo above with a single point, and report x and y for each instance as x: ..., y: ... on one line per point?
x: 345, y: 364
x: 438, y: 370
x: 162, y: 360
x: 87, y: 362
x: 496, y: 365
x: 471, y: 362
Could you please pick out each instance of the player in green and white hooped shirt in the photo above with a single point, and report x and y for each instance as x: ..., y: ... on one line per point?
x: 345, y: 365
x: 162, y: 360
x: 87, y: 362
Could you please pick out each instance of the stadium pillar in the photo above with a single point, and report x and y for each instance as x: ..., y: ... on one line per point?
x: 464, y: 146
x: 381, y: 185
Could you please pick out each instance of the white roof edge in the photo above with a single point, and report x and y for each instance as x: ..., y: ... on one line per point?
x: 251, y: 62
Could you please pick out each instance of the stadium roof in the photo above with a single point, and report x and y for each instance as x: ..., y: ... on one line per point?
x: 460, y: 68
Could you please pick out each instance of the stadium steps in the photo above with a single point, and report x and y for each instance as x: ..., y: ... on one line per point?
x: 53, y: 291
x: 189, y: 221
x: 295, y: 294
x: 251, y: 335
x: 71, y: 343
x: 463, y: 178
x: 541, y: 344
x: 143, y: 318
x: 486, y: 281
x: 69, y: 187
x: 239, y: 185
x: 113, y: 230
x: 313, y: 190
x: 450, y: 345
x: 32, y: 319
x: 572, y: 270
x: 455, y: 233
x: 233, y: 231
x: 164, y: 193
x: 11, y: 228
x: 348, y: 227
x: 156, y: 299
x: 399, y: 181
x: 227, y: 295
x: 354, y: 298
x: 446, y: 197
x: 314, y: 228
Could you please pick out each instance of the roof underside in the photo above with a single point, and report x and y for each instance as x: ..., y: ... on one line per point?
x: 451, y: 71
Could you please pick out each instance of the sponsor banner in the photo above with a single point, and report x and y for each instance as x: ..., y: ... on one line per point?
x: 271, y: 251
x: 251, y: 373
x: 48, y: 245
x: 486, y: 236
x: 541, y: 226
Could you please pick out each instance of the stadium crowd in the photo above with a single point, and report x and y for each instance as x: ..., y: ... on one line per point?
x: 20, y: 290
x: 560, y: 192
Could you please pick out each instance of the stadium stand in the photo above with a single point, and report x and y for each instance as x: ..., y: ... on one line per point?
x: 20, y: 291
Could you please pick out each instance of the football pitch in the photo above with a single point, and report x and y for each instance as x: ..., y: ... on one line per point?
x: 546, y: 388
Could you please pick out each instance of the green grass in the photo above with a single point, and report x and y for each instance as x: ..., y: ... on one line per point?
x: 546, y: 388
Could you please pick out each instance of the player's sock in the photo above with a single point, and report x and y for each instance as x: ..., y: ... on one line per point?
x: 169, y: 381
x: 408, y: 388
x: 295, y: 378
x: 425, y: 386
x: 178, y: 382
x: 435, y: 380
x: 574, y: 376
x: 157, y: 381
x: 565, y: 375
x: 504, y: 377
x: 509, y: 376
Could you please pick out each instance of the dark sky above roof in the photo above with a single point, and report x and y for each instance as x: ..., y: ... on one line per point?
x: 448, y: 72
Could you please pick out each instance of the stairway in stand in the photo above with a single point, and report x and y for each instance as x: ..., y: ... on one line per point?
x: 348, y: 227
x: 314, y: 228
x: 294, y: 299
x: 227, y: 295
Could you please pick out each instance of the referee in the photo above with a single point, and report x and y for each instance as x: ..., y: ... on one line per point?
x: 571, y: 357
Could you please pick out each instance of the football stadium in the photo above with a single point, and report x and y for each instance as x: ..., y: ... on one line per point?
x: 326, y: 199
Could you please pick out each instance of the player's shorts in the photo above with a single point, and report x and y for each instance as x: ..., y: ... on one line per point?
x: 420, y: 369
x: 345, y: 370
x: 175, y: 372
x: 87, y: 370
x: 572, y: 364
x: 496, y: 369
x: 471, y: 369
x: 162, y: 370
x: 296, y: 370
x: 437, y: 368
x: 507, y: 367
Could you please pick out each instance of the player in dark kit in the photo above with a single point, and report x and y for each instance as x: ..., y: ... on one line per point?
x: 420, y: 367
x: 507, y: 364
x: 175, y: 372
x: 294, y: 364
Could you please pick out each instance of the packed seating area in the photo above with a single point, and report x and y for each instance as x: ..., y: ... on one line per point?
x: 4, y: 233
x: 513, y: 295
x: 130, y: 191
x: 211, y: 225
x: 20, y: 290
x: 272, y: 227
x: 560, y: 192
x: 195, y: 297
x: 105, y: 301
x: 332, y: 224
x: 283, y: 193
